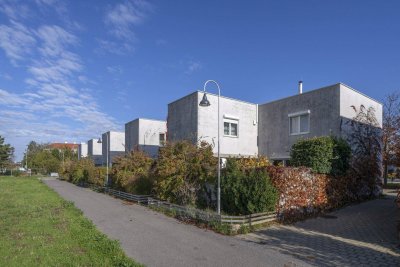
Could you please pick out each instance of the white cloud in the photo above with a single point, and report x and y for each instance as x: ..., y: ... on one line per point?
x: 52, y: 106
x: 16, y: 41
x: 193, y: 66
x: 121, y: 21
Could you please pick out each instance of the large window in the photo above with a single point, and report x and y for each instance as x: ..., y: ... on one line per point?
x: 299, y: 123
x: 231, y: 127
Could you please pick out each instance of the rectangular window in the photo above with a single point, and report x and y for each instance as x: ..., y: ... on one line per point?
x: 162, y: 139
x: 299, y: 123
x: 231, y: 127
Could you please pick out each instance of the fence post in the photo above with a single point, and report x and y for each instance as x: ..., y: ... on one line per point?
x: 250, y: 220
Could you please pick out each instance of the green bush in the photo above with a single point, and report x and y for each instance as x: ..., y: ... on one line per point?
x: 131, y: 173
x: 341, y: 156
x: 182, y: 170
x: 326, y: 154
x: 246, y: 191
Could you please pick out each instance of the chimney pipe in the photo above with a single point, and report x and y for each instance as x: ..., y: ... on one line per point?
x: 300, y: 87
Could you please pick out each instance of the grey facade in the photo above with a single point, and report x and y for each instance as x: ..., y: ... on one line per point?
x: 95, y: 151
x: 113, y: 145
x: 269, y: 129
x: 327, y: 108
x: 146, y: 135
x: 238, y: 123
x: 82, y: 150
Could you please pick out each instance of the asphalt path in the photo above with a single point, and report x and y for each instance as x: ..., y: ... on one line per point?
x: 154, y: 239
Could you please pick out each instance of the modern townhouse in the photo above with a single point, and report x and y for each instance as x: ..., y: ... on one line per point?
x: 269, y: 129
x: 113, y: 145
x: 82, y: 150
x: 95, y: 151
x: 187, y: 120
x: 146, y: 135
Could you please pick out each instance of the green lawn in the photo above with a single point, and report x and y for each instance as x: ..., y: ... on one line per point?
x: 37, y: 227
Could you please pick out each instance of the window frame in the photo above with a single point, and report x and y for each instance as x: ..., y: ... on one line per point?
x: 298, y: 115
x: 231, y: 121
x: 163, y: 141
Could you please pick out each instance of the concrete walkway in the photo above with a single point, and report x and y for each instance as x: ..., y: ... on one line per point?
x: 157, y: 240
x: 358, y: 235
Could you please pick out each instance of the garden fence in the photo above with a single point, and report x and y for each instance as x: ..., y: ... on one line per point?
x: 190, y: 212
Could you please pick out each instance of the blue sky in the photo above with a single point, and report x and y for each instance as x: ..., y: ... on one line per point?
x: 70, y: 70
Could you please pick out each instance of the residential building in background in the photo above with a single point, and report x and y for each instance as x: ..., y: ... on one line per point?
x: 82, y: 150
x: 319, y: 112
x: 61, y: 146
x: 146, y: 135
x: 113, y: 145
x: 95, y: 151
x: 238, y: 123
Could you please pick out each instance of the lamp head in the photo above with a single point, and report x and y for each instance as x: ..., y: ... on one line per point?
x: 204, y: 102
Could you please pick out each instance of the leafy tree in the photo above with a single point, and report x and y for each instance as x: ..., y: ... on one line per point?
x: 6, y: 153
x: 131, y: 172
x: 182, y: 171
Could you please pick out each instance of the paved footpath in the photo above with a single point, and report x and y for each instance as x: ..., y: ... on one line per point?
x: 358, y: 235
x: 157, y: 240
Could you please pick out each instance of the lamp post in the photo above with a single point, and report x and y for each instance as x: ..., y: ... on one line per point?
x: 205, y: 103
x: 99, y: 142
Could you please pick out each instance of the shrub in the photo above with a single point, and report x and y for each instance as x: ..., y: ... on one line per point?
x: 83, y: 171
x: 252, y: 162
x: 131, y: 172
x: 315, y: 153
x: 182, y: 170
x: 246, y: 191
x: 324, y: 154
x: 341, y: 156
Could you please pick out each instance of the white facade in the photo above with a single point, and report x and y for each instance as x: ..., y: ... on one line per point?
x: 82, y: 150
x: 113, y: 145
x: 238, y: 123
x: 146, y: 135
x: 95, y: 151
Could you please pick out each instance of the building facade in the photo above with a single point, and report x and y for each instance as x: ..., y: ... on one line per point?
x: 187, y: 120
x: 146, y: 135
x: 270, y: 129
x: 95, y: 151
x: 113, y: 145
x: 320, y: 112
x: 82, y: 150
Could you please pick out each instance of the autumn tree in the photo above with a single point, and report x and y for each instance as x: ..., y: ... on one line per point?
x: 365, y: 140
x: 391, y: 132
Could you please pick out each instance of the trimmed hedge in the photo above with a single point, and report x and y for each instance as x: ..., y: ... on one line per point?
x: 246, y: 191
x: 326, y: 155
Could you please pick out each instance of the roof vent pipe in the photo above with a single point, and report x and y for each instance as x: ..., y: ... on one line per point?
x: 300, y: 87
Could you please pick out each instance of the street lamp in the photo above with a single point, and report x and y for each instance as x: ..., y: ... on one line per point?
x: 205, y: 103
x: 99, y: 142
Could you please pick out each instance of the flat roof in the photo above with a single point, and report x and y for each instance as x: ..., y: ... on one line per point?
x: 323, y: 88
x: 145, y: 119
x: 213, y: 94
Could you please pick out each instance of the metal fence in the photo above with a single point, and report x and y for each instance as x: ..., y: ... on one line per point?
x: 190, y: 212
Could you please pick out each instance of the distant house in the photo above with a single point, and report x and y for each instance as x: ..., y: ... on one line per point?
x: 82, y: 150
x: 95, y: 151
x: 63, y: 146
x: 146, y: 135
x: 113, y: 145
x: 270, y: 129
